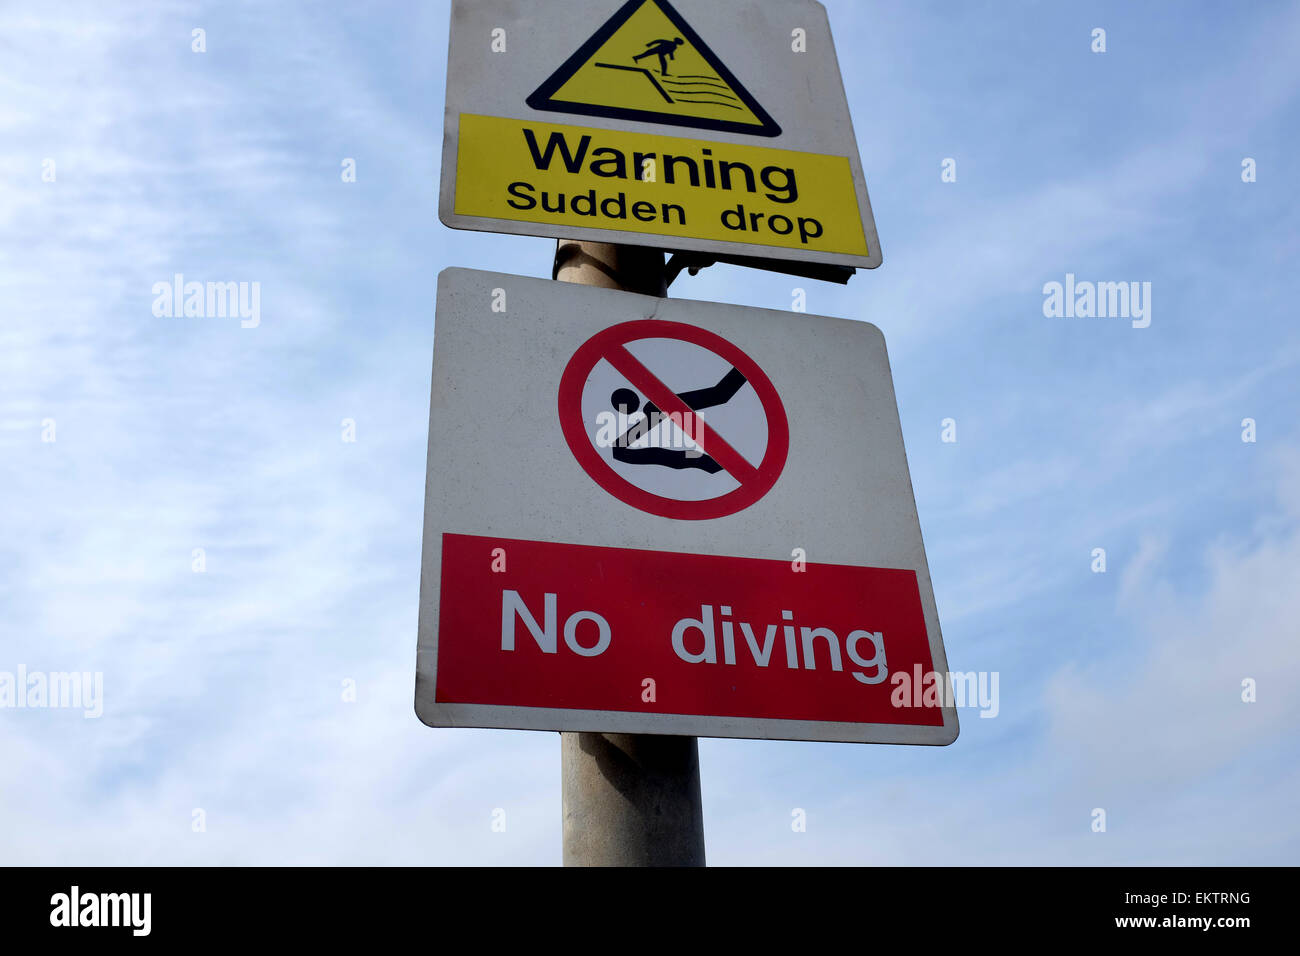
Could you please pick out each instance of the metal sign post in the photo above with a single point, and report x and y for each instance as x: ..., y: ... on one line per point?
x: 628, y: 799
x: 649, y: 520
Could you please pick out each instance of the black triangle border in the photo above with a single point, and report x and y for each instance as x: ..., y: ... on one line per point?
x: 542, y: 97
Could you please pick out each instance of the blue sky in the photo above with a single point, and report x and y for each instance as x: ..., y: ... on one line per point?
x: 1119, y: 690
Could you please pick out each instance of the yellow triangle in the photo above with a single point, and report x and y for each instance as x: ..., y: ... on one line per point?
x: 647, y: 64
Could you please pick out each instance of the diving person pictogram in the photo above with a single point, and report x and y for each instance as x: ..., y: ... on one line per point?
x: 626, y: 402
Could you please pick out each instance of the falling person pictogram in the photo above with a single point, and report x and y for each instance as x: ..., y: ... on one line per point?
x: 626, y: 402
x: 664, y: 49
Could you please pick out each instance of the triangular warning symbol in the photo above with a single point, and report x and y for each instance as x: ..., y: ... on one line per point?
x: 647, y: 64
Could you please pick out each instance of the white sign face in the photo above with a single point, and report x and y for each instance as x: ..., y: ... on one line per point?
x: 669, y: 517
x: 717, y: 127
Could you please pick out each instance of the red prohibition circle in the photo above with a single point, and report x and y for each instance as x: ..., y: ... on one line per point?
x: 754, y: 482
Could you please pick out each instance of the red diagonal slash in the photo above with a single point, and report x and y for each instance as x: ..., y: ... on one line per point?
x: 709, y: 441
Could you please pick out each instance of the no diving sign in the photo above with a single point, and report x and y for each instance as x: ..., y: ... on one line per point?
x: 669, y: 517
x: 691, y: 427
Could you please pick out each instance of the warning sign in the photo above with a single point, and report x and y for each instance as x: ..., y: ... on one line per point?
x: 589, y: 178
x: 633, y: 416
x: 719, y: 128
x: 647, y: 64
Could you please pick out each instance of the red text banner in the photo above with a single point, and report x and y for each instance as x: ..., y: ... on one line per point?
x: 536, y: 624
